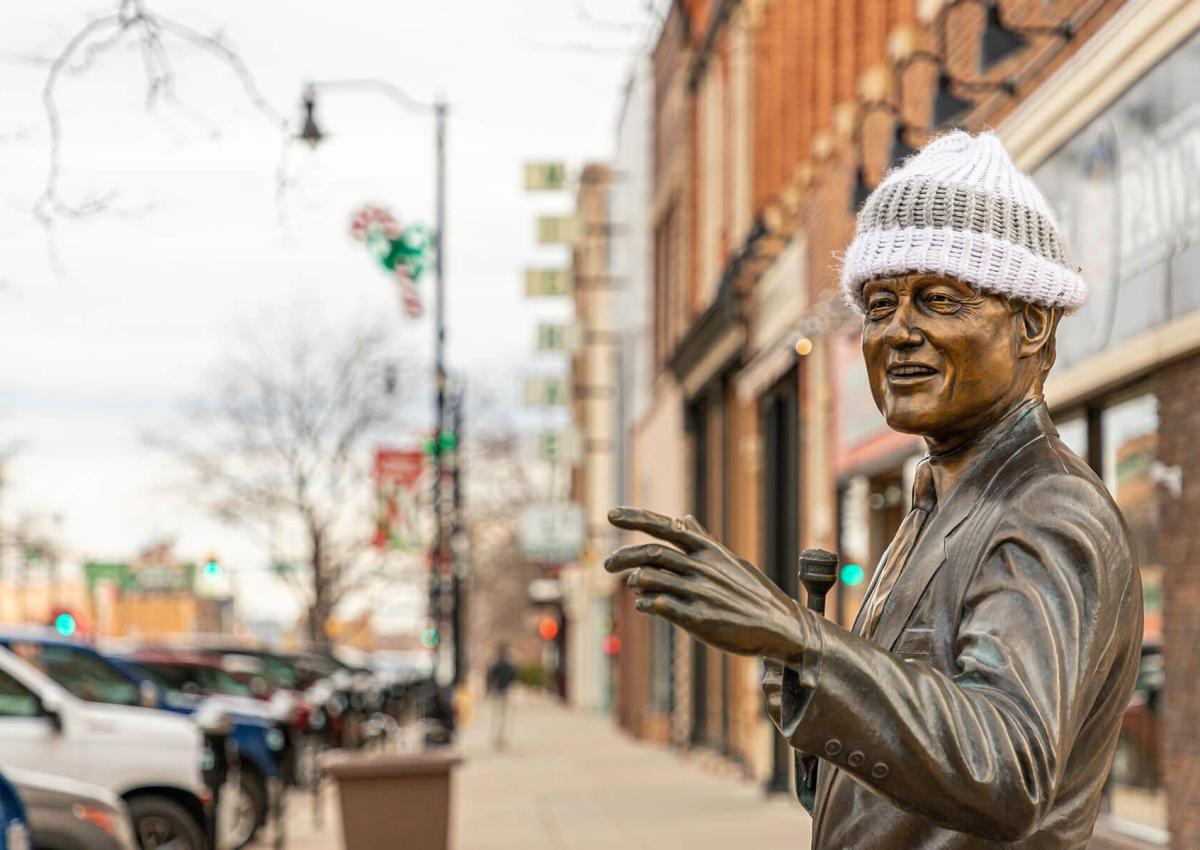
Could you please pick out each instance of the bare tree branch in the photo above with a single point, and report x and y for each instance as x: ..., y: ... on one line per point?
x: 283, y: 445
x: 98, y: 37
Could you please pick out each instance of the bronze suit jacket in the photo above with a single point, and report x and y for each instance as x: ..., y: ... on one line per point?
x: 985, y: 710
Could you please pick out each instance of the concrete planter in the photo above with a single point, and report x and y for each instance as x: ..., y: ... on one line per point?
x: 391, y: 800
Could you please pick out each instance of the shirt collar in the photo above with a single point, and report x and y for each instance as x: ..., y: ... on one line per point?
x: 973, y: 452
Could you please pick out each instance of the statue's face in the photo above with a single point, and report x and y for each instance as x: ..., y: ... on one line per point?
x: 942, y: 358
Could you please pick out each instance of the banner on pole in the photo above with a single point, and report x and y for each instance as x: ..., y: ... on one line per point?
x: 397, y: 474
x: 545, y: 176
x: 559, y: 229
x: 565, y: 446
x: 557, y: 336
x: 546, y: 391
x: 540, y: 283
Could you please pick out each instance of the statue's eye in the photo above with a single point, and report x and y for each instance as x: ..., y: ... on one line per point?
x: 941, y: 302
x: 879, y: 307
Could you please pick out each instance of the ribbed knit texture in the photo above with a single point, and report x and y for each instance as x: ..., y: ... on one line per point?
x: 960, y: 208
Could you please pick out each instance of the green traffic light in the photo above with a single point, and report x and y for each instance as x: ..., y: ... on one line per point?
x: 851, y: 574
x: 445, y: 442
x: 65, y: 625
x: 212, y: 569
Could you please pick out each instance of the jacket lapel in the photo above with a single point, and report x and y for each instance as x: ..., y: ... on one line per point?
x: 930, y: 552
x: 867, y: 597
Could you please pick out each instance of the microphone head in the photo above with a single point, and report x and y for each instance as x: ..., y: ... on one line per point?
x: 818, y: 570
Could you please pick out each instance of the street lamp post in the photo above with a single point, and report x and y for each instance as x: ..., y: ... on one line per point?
x: 444, y: 568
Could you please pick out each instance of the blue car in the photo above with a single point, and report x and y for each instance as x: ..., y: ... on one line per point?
x: 15, y: 833
x: 93, y: 676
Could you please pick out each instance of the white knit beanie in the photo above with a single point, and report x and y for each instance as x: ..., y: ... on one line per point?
x: 960, y: 208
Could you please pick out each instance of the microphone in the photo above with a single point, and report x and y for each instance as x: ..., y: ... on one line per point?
x: 817, y: 575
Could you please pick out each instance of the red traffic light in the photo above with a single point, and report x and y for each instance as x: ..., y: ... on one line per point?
x: 611, y: 645
x: 548, y: 628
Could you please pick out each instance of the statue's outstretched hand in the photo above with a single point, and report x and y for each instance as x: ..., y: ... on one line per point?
x: 704, y: 588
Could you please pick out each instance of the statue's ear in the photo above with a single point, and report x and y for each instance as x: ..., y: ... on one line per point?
x: 1036, y: 325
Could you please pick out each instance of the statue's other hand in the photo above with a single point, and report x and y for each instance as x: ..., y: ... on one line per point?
x: 772, y: 688
x: 704, y: 588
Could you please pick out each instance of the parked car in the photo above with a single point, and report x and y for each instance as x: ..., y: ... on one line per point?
x: 14, y: 824
x: 257, y: 741
x: 198, y: 673
x: 357, y: 690
x: 94, y: 677
x: 65, y: 814
x: 151, y: 760
x: 319, y: 718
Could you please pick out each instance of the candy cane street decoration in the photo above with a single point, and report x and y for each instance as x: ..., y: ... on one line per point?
x: 402, y: 251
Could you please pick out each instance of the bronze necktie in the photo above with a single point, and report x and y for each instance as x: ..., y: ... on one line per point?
x: 923, y: 503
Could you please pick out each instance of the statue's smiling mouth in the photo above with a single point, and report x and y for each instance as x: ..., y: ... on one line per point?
x: 909, y: 372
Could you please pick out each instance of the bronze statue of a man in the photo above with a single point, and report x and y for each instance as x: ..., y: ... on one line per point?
x: 978, y: 699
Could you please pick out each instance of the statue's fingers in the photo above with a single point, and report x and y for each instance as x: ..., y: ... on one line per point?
x: 649, y: 554
x: 651, y: 580
x: 668, y: 607
x: 657, y: 525
x: 690, y: 523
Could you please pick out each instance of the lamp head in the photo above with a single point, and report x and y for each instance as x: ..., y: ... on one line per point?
x: 310, y: 133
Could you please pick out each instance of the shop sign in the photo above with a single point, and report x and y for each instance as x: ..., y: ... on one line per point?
x: 781, y: 295
x: 1126, y: 192
x: 552, y: 531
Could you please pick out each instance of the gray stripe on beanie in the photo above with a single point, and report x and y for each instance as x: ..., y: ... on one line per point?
x: 926, y: 204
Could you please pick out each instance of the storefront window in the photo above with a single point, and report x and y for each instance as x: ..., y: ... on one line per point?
x: 1129, y: 432
x: 1124, y: 189
x: 1073, y: 432
x: 662, y: 671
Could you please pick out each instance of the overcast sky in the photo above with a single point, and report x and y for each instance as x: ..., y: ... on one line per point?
x: 197, y: 246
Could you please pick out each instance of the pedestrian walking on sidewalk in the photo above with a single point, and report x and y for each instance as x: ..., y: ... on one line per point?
x: 500, y: 678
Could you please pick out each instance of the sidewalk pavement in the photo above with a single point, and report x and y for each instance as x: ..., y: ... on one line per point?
x: 302, y: 831
x: 573, y: 781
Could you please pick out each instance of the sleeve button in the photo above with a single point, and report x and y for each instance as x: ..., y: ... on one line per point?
x: 832, y: 747
x: 879, y: 770
x: 856, y: 758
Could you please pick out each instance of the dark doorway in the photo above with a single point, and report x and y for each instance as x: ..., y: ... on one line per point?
x: 781, y: 516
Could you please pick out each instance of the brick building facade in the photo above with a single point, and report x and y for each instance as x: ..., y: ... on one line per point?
x: 771, y: 118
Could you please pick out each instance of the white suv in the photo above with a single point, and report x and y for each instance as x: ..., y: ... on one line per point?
x: 153, y: 760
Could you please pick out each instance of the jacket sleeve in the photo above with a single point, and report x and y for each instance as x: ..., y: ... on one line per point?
x: 982, y: 751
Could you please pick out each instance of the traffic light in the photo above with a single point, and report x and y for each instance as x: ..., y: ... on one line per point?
x: 611, y: 644
x: 65, y: 624
x: 212, y: 570
x: 851, y: 574
x: 444, y: 443
x: 548, y: 628
x: 429, y: 638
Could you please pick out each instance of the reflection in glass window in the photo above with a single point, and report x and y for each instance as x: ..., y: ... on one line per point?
x: 15, y: 699
x: 85, y: 675
x: 1123, y: 189
x: 1130, y: 441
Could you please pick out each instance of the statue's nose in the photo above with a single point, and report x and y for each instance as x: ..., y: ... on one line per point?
x: 901, y: 332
